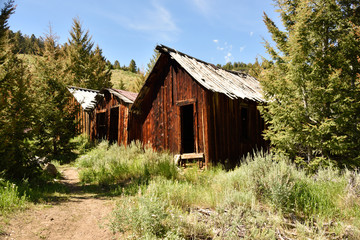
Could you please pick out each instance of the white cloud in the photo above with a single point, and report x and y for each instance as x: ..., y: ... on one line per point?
x: 251, y: 34
x: 155, y: 21
x: 203, y: 6
x: 226, y: 48
x: 216, y: 41
x: 228, y: 57
x: 242, y: 48
x: 158, y: 20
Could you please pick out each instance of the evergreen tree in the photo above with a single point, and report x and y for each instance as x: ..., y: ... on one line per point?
x: 87, y: 67
x: 79, y: 50
x: 18, y: 42
x: 313, y: 108
x: 152, y: 62
x: 139, y: 83
x: 132, y: 66
x: 121, y: 85
x: 101, y: 75
x: 257, y: 68
x: 16, y: 111
x: 109, y: 65
x: 116, y: 64
x: 56, y: 122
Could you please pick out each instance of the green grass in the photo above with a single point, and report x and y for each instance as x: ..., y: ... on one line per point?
x: 11, y: 198
x: 267, y: 197
x: 131, y: 81
x: 111, y: 164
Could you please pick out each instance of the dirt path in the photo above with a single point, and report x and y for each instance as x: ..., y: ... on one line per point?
x: 82, y: 216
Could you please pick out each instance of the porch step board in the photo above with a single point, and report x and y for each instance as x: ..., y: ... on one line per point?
x: 181, y: 159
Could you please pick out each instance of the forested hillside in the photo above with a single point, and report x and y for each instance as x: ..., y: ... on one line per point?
x: 24, y: 44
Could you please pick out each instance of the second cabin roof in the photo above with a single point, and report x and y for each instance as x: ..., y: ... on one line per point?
x: 126, y: 96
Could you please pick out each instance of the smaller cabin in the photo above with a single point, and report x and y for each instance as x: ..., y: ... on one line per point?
x: 111, y: 115
x: 87, y: 100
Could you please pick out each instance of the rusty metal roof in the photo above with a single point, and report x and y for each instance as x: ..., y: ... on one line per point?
x: 87, y: 98
x: 126, y: 96
x: 231, y: 83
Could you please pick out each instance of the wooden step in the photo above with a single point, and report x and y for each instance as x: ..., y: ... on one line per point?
x: 192, y: 156
x: 186, y: 156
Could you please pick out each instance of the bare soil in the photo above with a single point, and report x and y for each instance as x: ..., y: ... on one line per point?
x: 82, y: 216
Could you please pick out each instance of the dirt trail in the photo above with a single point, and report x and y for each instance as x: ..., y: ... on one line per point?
x: 82, y: 216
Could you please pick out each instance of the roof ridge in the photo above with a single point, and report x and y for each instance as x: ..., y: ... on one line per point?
x: 234, y: 84
x: 85, y: 89
x: 161, y: 47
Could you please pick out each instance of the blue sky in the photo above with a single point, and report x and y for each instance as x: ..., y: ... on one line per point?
x: 216, y: 31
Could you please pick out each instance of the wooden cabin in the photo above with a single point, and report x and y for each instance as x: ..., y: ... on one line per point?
x: 111, y: 115
x: 194, y: 108
x: 86, y: 99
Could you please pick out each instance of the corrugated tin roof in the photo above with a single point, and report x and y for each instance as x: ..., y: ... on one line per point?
x: 87, y: 98
x: 232, y: 84
x: 126, y: 96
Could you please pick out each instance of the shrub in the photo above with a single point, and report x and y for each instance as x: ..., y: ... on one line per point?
x: 146, y: 217
x: 274, y: 179
x: 109, y: 164
x: 265, y: 197
x: 10, y: 198
x: 82, y: 143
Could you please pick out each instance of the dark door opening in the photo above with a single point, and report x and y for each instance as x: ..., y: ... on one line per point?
x: 187, y: 128
x: 101, y: 125
x: 114, y: 125
x: 244, y: 124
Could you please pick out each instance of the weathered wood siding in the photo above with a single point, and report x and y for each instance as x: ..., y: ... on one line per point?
x: 217, y: 118
x: 161, y: 126
x: 233, y: 132
x: 105, y: 106
x: 83, y: 119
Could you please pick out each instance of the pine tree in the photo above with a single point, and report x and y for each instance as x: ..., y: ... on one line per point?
x: 100, y: 75
x: 313, y: 108
x: 132, y: 66
x: 152, y: 62
x: 16, y: 110
x: 56, y: 122
x: 79, y: 49
x: 257, y: 68
x: 116, y: 64
x: 87, y: 67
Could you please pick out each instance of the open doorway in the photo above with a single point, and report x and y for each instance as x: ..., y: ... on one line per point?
x: 114, y: 124
x: 101, y: 125
x: 187, y: 128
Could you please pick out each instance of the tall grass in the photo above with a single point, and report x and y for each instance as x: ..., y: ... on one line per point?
x: 128, y: 80
x: 110, y: 164
x: 265, y: 197
x: 10, y: 197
